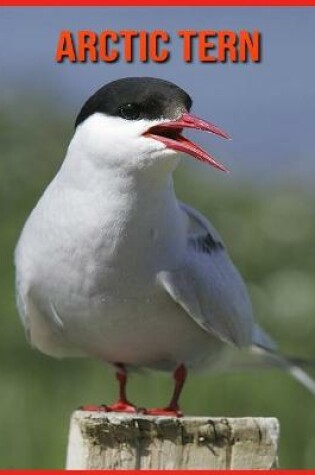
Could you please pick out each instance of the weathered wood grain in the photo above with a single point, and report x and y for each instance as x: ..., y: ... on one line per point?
x: 122, y: 441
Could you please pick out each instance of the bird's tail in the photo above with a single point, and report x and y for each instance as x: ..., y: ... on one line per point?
x: 267, y: 349
x: 290, y: 364
x: 264, y: 355
x: 302, y: 377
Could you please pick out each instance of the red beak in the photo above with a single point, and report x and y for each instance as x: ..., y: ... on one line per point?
x: 169, y: 133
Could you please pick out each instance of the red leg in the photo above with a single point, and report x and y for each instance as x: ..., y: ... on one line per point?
x: 122, y: 405
x: 173, y: 409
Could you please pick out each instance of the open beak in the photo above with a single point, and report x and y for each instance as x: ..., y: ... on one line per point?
x: 169, y: 133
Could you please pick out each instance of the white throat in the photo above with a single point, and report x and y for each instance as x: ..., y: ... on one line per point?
x: 127, y: 214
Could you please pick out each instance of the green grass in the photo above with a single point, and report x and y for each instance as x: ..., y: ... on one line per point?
x: 270, y: 233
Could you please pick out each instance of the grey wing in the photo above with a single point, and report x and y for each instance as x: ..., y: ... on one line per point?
x: 209, y: 287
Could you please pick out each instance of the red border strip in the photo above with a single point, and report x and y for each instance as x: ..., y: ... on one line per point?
x: 157, y: 3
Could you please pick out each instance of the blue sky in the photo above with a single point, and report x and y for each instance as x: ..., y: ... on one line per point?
x: 267, y: 108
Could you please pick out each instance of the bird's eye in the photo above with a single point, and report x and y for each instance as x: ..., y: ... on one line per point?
x: 130, y: 111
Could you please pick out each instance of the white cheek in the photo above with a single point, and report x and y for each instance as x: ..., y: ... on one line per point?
x: 146, y: 144
x: 114, y: 141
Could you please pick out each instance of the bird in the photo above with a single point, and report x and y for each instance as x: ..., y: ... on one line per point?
x: 111, y: 265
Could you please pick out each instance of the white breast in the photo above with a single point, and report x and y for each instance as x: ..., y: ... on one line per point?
x: 86, y: 270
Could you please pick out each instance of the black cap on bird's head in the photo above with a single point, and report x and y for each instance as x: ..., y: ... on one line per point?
x: 152, y: 99
x: 137, y: 98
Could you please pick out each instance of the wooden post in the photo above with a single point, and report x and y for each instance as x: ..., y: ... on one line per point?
x: 122, y: 441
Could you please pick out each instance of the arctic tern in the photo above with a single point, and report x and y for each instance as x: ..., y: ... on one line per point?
x: 111, y: 265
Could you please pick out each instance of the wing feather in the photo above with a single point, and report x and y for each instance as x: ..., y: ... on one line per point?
x: 208, y: 286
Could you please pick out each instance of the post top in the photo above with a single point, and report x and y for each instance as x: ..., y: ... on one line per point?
x: 118, y: 440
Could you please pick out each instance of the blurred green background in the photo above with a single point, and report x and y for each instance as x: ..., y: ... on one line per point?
x: 270, y: 232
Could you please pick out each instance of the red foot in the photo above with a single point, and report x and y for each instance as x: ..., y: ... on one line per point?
x: 122, y: 407
x: 167, y: 411
x: 117, y: 407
